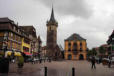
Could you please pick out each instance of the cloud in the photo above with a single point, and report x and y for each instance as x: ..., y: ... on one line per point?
x: 78, y: 8
x: 26, y: 13
x: 92, y: 19
x: 96, y: 29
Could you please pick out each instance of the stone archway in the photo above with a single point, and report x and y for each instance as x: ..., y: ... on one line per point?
x: 81, y: 57
x: 69, y: 57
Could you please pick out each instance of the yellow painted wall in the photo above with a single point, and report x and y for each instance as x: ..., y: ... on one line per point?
x: 1, y: 33
x: 84, y: 47
x: 25, y: 44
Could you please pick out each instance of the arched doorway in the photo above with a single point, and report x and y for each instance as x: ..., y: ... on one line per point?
x: 81, y: 57
x: 69, y: 57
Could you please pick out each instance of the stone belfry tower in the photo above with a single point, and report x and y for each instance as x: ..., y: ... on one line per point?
x: 52, y: 31
x: 52, y: 46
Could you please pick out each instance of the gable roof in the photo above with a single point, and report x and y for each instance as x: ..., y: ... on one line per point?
x: 39, y: 39
x: 29, y: 29
x: 110, y: 39
x: 74, y: 37
x: 5, y: 19
x: 7, y: 24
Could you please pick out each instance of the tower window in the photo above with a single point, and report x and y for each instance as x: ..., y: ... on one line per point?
x: 50, y: 28
x: 81, y: 44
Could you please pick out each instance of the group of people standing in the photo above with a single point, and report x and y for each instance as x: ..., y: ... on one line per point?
x: 93, y: 61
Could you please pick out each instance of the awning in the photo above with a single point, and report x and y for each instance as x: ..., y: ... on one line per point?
x: 35, y: 52
x: 17, y: 54
x: 8, y: 53
x: 27, y: 53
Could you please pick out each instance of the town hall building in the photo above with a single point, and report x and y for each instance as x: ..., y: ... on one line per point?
x: 75, y: 48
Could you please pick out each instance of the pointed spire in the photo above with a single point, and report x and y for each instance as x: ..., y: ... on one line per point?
x: 52, y: 18
x: 39, y: 39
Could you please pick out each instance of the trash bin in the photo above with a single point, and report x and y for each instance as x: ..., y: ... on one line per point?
x: 4, y: 65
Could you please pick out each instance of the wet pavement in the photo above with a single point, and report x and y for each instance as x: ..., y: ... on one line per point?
x: 61, y: 68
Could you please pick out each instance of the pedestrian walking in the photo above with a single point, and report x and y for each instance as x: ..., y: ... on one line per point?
x: 109, y: 63
x: 40, y: 60
x: 49, y: 59
x: 93, y: 63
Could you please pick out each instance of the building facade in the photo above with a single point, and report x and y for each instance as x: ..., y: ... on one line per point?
x: 110, y: 42
x: 52, y: 47
x: 44, y: 52
x: 39, y: 47
x: 10, y: 35
x: 25, y: 46
x: 31, y: 31
x: 106, y: 49
x: 75, y: 48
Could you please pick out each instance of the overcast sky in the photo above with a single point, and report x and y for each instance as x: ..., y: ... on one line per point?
x: 92, y: 19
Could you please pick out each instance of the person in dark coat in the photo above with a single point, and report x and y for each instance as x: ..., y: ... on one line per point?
x: 109, y: 63
x: 93, y: 63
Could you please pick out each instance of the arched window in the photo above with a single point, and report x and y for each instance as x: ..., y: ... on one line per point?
x: 69, y: 56
x: 75, y: 47
x: 81, y: 47
x: 80, y: 44
x: 81, y: 57
x: 81, y: 50
x: 69, y: 46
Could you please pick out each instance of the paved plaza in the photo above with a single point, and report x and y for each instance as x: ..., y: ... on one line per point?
x: 61, y: 68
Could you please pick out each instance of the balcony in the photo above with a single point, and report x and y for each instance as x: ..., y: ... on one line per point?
x: 75, y: 52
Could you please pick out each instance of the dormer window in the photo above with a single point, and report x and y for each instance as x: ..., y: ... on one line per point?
x: 75, y: 47
x: 18, y: 31
x: 80, y: 44
x: 50, y: 28
x: 69, y: 44
x: 14, y: 28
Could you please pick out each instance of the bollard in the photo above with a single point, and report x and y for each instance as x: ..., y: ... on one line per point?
x: 45, y: 71
x: 73, y: 71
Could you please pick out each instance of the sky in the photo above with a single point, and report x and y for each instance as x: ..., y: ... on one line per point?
x: 92, y: 19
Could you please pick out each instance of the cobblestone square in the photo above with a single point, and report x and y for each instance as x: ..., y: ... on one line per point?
x: 61, y: 68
